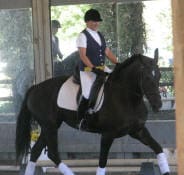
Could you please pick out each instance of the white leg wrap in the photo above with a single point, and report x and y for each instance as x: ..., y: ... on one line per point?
x: 163, y: 163
x: 65, y: 169
x: 100, y: 171
x: 30, y: 168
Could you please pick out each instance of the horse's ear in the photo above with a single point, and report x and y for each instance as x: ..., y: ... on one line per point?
x: 156, y: 55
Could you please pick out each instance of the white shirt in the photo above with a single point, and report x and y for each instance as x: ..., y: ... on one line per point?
x: 82, y: 40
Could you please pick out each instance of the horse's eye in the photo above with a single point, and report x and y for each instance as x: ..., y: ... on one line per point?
x: 153, y: 72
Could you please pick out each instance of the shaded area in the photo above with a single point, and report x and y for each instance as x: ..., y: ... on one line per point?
x: 67, y: 66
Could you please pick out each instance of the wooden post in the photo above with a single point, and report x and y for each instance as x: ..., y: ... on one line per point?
x: 41, y: 39
x: 178, y: 38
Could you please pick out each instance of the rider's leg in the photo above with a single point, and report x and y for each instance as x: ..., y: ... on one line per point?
x: 87, y: 80
x: 89, y: 120
x: 100, y: 79
x: 145, y: 137
x: 83, y: 106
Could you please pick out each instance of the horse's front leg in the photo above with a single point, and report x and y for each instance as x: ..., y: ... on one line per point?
x: 106, y: 142
x: 145, y: 137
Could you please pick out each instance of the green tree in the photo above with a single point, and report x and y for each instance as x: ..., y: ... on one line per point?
x: 165, y: 20
x: 71, y: 19
x: 132, y: 28
x: 124, y: 31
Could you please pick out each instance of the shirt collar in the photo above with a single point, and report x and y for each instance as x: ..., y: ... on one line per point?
x: 89, y: 30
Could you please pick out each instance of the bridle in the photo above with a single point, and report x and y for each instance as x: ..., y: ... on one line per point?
x: 142, y: 74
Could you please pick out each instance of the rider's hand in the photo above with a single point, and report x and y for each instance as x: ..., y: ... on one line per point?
x: 118, y: 65
x: 98, y: 71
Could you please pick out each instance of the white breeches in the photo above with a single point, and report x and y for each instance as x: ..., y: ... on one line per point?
x: 87, y: 80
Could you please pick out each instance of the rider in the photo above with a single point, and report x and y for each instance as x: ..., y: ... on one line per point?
x: 55, y: 41
x: 92, y: 50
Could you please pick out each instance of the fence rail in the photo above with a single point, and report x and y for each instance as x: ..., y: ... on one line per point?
x: 8, y: 98
x: 6, y: 81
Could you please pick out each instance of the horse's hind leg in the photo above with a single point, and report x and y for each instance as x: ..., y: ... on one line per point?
x: 35, y: 153
x: 145, y: 137
x: 53, y: 154
x: 106, y: 142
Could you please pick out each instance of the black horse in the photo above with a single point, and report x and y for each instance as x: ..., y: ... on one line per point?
x: 123, y: 112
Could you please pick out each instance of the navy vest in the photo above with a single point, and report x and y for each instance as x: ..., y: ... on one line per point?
x: 55, y: 47
x: 94, y: 51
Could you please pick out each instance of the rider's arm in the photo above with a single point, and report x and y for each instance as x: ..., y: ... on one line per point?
x: 111, y: 56
x: 82, y: 45
x: 84, y: 58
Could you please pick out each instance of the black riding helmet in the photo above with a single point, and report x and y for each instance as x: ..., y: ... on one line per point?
x: 92, y: 15
x: 55, y: 24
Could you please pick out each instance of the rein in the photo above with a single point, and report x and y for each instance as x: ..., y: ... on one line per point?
x: 115, y: 78
x: 141, y: 80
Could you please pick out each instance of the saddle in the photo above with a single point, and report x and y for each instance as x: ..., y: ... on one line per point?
x: 70, y: 93
x: 100, y: 80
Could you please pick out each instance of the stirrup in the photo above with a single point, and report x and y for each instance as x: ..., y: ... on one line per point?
x: 91, y: 111
x: 80, y: 124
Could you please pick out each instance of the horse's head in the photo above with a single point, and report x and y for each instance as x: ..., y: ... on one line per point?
x: 150, y: 81
x: 143, y: 76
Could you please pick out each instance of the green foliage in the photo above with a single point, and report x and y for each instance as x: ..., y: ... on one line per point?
x: 133, y: 32
x: 71, y: 19
x: 167, y: 76
x: 124, y: 31
x: 164, y: 18
x: 167, y: 79
x: 118, y: 26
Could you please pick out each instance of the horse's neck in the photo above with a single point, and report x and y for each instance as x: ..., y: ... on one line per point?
x: 127, y: 81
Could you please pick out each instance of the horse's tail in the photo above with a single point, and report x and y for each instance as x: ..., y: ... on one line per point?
x: 23, y: 130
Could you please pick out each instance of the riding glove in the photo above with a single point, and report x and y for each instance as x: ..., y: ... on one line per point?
x: 98, y: 71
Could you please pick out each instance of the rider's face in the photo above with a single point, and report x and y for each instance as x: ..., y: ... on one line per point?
x: 93, y: 25
x: 54, y: 30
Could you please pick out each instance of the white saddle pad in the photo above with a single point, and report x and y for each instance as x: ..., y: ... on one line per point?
x: 68, y: 94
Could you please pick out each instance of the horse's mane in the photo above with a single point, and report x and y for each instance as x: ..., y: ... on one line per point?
x: 125, y: 64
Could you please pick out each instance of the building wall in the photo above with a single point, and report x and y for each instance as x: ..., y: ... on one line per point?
x: 78, y: 144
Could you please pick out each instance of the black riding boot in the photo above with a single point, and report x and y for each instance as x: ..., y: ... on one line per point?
x: 83, y: 107
x: 89, y: 119
x: 95, y: 90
